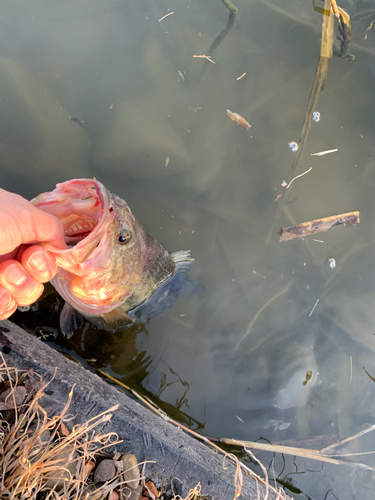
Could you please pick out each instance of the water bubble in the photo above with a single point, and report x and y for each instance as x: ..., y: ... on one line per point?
x: 316, y: 116
x: 293, y: 146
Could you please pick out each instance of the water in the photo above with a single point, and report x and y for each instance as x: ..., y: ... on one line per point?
x: 247, y: 357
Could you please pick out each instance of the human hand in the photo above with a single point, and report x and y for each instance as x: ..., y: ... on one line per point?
x: 24, y: 264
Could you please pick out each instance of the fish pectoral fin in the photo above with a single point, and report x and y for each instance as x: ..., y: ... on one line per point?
x: 116, y: 318
x: 70, y: 320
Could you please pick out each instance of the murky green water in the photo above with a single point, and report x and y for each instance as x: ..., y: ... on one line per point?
x: 231, y: 360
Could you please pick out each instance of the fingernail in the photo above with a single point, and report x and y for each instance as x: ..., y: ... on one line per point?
x: 38, y: 262
x: 15, y: 276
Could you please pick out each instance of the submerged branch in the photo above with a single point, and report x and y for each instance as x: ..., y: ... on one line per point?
x: 223, y: 33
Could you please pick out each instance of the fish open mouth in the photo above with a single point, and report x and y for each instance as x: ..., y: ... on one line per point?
x: 83, y: 208
x: 77, y: 227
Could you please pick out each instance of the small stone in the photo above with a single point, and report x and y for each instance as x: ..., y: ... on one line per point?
x: 132, y: 493
x: 150, y: 490
x: 18, y: 393
x: 113, y: 495
x: 87, y: 468
x: 66, y: 465
x: 131, y: 470
x: 105, y: 471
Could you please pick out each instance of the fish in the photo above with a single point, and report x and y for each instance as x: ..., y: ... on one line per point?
x: 112, y: 272
x: 240, y: 120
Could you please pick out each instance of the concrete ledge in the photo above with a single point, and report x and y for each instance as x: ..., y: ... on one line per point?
x: 148, y: 436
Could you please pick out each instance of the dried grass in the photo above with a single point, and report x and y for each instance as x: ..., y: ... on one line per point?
x: 26, y: 464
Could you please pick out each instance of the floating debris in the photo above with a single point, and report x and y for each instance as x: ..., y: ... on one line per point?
x: 293, y: 146
x: 368, y: 29
x: 332, y: 263
x: 167, y: 161
x: 203, y: 56
x: 297, y: 176
x: 309, y: 228
x: 77, y: 120
x: 322, y: 153
x: 308, y: 377
x: 235, y: 117
x: 243, y: 74
x: 313, y: 309
x: 166, y: 15
x: 316, y: 116
x: 258, y: 274
x: 195, y: 109
x: 284, y: 184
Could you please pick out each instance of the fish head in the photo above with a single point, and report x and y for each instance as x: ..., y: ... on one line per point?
x: 108, y: 247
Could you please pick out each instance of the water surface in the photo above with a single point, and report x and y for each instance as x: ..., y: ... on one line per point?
x: 231, y: 360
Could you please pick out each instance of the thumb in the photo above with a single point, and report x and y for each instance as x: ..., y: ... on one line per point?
x: 48, y: 229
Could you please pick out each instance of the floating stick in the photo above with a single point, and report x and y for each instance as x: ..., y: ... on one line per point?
x: 309, y: 228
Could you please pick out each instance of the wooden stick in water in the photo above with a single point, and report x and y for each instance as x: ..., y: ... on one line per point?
x: 223, y: 33
x: 326, y: 50
x: 312, y: 227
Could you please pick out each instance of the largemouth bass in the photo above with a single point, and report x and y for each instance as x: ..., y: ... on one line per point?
x: 113, y: 272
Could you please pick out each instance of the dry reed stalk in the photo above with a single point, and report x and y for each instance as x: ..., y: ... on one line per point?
x: 26, y: 463
x: 206, y: 440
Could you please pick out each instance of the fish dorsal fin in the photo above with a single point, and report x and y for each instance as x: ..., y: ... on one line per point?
x: 116, y: 318
x: 70, y: 320
x: 182, y: 256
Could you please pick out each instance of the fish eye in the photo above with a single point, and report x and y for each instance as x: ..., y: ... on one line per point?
x: 124, y: 237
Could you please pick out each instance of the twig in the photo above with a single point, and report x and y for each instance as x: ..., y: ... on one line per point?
x: 297, y: 176
x: 206, y: 440
x: 313, y: 309
x: 326, y: 50
x: 166, y: 15
x: 223, y: 33
x: 323, y: 153
x: 203, y: 56
x: 315, y: 226
x: 291, y: 450
x: 359, y: 434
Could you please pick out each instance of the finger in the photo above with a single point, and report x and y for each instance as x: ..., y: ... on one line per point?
x: 7, y: 304
x: 22, y: 222
x: 48, y: 228
x: 40, y: 264
x: 24, y: 288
